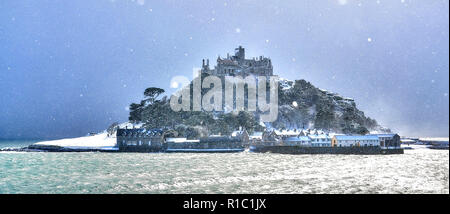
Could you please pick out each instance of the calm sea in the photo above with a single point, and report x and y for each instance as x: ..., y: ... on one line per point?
x: 417, y: 171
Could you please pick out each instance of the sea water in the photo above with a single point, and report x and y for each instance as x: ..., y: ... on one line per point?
x: 417, y: 171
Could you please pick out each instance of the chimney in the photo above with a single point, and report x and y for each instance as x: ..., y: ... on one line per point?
x: 203, y: 63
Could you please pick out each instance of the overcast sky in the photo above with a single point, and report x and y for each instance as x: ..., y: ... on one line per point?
x: 72, y: 67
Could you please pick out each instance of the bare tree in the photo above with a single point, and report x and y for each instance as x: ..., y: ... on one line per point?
x: 112, y: 128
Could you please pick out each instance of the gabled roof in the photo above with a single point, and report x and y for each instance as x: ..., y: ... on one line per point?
x: 139, y: 132
x: 384, y: 135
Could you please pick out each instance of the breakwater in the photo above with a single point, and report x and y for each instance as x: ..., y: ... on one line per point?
x: 369, y: 150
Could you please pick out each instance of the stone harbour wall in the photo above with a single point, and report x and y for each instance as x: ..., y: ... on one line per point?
x: 370, y: 150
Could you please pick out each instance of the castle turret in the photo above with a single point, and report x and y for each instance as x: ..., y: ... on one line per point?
x: 239, y: 53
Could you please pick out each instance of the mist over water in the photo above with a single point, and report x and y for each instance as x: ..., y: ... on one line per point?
x: 417, y: 171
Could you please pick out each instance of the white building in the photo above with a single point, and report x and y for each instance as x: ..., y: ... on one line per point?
x: 355, y: 140
x: 310, y: 138
x: 297, y: 141
x: 320, y: 140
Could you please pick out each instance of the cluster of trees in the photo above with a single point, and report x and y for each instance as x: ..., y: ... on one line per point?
x: 156, y: 113
x: 312, y: 107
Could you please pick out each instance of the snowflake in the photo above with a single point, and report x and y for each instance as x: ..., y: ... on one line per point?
x: 174, y: 85
x: 141, y: 2
x: 342, y: 2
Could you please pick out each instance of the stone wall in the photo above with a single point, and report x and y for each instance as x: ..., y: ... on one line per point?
x: 325, y: 150
x: 205, y: 145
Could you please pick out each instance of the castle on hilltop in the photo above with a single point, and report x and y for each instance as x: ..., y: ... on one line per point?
x: 237, y: 65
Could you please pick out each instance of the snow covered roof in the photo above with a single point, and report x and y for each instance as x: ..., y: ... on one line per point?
x: 319, y: 136
x: 299, y: 138
x: 130, y: 125
x: 384, y: 135
x: 356, y: 137
x: 139, y: 132
x: 180, y: 140
x: 176, y: 139
x: 287, y: 132
x: 256, y: 135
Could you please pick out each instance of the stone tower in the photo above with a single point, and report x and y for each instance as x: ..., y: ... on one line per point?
x: 239, y: 53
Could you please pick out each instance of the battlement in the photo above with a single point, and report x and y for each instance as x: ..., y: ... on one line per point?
x: 237, y: 65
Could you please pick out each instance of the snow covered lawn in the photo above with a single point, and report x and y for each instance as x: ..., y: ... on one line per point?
x: 99, y: 141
